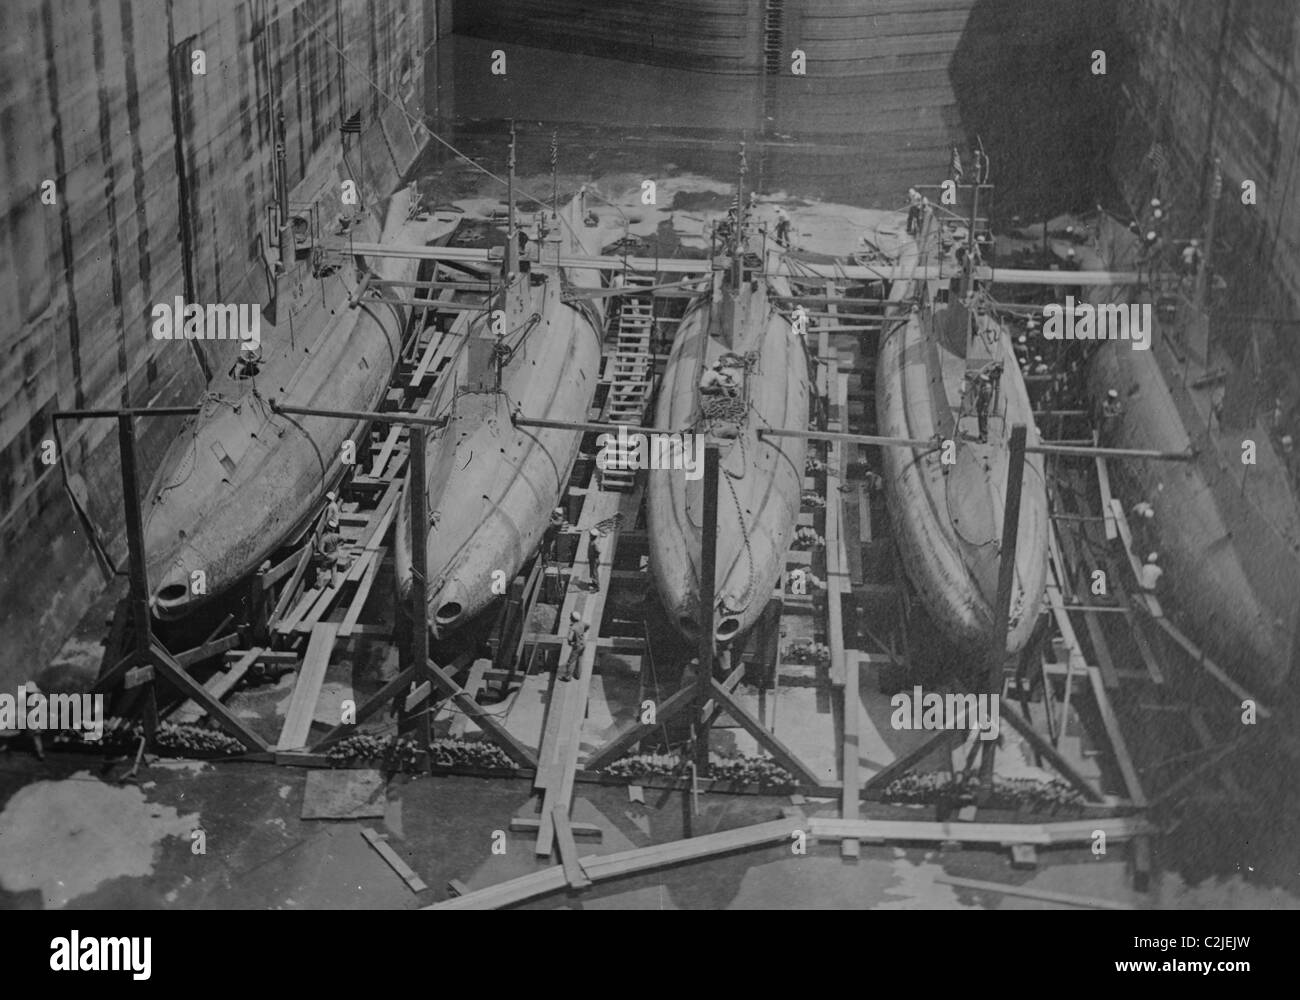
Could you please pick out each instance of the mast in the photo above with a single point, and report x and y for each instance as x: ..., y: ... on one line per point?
x: 512, y: 238
x: 1216, y: 189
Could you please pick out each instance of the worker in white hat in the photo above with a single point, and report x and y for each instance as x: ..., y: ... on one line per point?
x: 332, y: 511
x: 1150, y: 574
x: 577, y: 640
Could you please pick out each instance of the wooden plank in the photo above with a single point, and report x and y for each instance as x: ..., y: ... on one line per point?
x: 1063, y: 766
x: 1196, y: 718
x: 404, y: 870
x: 219, y: 685
x: 302, y: 704
x: 164, y: 662
x: 849, y: 800
x: 1134, y: 560
x: 573, y: 872
x: 290, y: 621
x: 386, y: 451
x: 1029, y: 892
x: 830, y: 828
x: 1116, y: 735
x: 783, y: 754
x: 567, y: 738
x: 1137, y: 628
x: 1103, y: 482
x: 638, y: 731
x: 598, y: 867
x: 1081, y: 555
x: 461, y: 721
x: 940, y: 740
x: 304, y: 560
x: 1208, y: 665
x: 363, y: 592
x: 527, y: 824
x: 519, y: 753
x: 320, y: 607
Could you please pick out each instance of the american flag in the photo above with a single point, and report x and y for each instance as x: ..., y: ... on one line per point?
x: 957, y: 172
x: 352, y: 124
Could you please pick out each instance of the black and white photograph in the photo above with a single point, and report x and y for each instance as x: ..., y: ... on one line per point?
x: 620, y: 455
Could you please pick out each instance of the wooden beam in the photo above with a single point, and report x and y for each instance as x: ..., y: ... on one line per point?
x: 519, y: 753
x: 1029, y: 892
x: 783, y: 754
x: 941, y: 740
x: 573, y: 872
x: 637, y: 731
x: 849, y: 800
x: 306, y: 692
x: 404, y: 870
x: 189, y: 686
x: 1116, y: 735
x: 1063, y: 766
x: 607, y: 866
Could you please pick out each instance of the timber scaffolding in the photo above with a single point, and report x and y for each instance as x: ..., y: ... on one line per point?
x: 858, y: 561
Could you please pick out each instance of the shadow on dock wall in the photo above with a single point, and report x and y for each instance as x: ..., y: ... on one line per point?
x: 1022, y: 73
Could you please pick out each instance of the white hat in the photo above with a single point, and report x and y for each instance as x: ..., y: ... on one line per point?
x: 1038, y: 357
x: 1022, y: 339
x: 331, y: 496
x: 1112, y: 393
x: 558, y: 510
x: 1153, y: 557
x: 595, y: 532
x: 574, y: 616
x: 1151, y: 234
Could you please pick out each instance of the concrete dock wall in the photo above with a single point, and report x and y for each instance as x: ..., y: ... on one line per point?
x: 161, y: 182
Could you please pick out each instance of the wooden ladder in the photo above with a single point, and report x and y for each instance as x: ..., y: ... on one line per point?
x: 630, y: 370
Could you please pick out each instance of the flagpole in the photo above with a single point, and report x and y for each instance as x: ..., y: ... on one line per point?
x: 512, y: 244
x: 555, y: 182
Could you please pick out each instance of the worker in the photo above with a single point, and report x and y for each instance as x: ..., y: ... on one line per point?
x: 782, y: 227
x: 1112, y: 412
x: 1289, y: 455
x: 1150, y: 573
x: 249, y: 361
x: 913, y: 211
x: 1143, y: 522
x: 593, y: 557
x: 1039, y: 367
x: 551, y: 536
x: 1071, y: 260
x: 577, y: 643
x: 332, y: 511
x: 1192, y: 258
x: 329, y: 558
x: 1022, y: 351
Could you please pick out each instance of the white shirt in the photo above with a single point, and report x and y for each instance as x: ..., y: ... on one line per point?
x: 1150, y: 576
